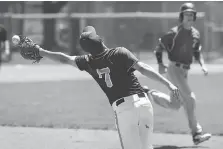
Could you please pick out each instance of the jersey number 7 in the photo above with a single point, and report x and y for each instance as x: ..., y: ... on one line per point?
x: 105, y: 71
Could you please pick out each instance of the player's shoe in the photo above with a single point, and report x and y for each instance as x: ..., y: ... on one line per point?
x: 199, y: 138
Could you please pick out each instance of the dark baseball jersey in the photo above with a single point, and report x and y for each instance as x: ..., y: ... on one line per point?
x: 113, y: 71
x: 180, y: 44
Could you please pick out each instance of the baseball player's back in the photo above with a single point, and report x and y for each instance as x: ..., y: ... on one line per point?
x: 113, y: 71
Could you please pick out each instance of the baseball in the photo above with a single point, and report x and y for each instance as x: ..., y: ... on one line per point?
x: 15, y: 39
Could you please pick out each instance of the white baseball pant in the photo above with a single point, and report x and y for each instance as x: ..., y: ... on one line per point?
x: 134, y: 122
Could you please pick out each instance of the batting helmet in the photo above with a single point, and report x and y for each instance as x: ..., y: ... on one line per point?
x: 187, y: 7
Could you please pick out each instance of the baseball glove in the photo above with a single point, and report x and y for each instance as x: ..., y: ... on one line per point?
x: 29, y: 50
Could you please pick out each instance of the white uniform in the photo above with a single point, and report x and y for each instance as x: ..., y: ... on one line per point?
x: 134, y: 121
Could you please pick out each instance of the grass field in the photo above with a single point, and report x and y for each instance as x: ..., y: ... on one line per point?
x: 81, y: 104
x: 61, y: 97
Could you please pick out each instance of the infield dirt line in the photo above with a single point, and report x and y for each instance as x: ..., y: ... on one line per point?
x: 72, y: 138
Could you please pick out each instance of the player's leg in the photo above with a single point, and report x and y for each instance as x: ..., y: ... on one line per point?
x: 127, y: 126
x: 135, y: 123
x: 146, y: 122
x: 179, y: 78
x: 189, y: 104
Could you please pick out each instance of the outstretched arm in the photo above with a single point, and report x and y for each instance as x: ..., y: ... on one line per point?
x: 31, y: 51
x: 58, y: 56
x: 130, y: 63
x: 149, y: 72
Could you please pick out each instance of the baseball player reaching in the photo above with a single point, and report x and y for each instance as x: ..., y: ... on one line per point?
x: 182, y: 43
x: 113, y: 70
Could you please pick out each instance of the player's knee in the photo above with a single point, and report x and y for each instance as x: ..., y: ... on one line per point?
x: 191, y: 98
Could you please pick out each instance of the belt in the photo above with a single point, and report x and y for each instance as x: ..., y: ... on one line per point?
x: 121, y: 100
x: 184, y: 66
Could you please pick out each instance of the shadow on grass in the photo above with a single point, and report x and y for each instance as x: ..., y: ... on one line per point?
x: 179, y: 147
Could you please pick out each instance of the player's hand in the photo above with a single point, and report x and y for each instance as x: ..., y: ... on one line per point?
x: 28, y: 49
x: 162, y: 68
x: 146, y: 89
x: 205, y: 70
x: 174, y: 90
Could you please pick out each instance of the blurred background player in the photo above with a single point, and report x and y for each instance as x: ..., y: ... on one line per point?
x: 113, y: 70
x: 4, y: 45
x: 182, y: 43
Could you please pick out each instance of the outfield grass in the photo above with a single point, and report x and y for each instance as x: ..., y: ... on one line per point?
x: 82, y: 104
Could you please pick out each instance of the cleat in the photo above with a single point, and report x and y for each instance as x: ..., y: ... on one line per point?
x: 199, y: 138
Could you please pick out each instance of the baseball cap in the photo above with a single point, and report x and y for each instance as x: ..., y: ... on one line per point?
x: 89, y: 38
x: 89, y: 32
x: 89, y: 29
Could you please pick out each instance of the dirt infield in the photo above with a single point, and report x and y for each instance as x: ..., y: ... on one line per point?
x: 42, y: 138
